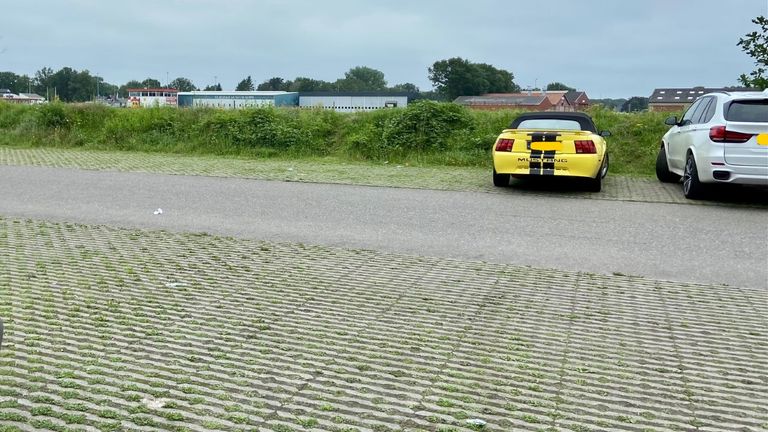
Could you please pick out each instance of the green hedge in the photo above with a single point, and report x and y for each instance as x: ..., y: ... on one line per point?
x: 425, y: 133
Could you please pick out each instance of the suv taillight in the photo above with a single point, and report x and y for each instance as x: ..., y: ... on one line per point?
x: 721, y: 134
x: 504, y: 145
x: 585, y: 146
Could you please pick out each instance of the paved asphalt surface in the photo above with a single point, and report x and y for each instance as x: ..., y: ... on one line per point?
x: 707, y: 244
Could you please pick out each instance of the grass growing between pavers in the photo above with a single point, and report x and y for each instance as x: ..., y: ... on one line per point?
x: 113, y: 329
x: 329, y: 170
x: 321, y: 170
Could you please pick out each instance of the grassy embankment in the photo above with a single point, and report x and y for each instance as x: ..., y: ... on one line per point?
x: 425, y: 133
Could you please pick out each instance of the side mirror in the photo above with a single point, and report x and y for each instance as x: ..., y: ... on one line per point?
x: 671, y: 121
x: 605, y: 133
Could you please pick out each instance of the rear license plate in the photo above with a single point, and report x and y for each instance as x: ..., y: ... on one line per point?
x: 547, y: 146
x: 762, y: 139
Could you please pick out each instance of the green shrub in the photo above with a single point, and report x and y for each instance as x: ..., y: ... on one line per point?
x: 90, y: 118
x: 18, y: 118
x: 488, y: 125
x: 363, y: 134
x: 127, y: 124
x: 55, y: 116
x: 11, y: 115
x: 322, y: 130
x: 426, y: 126
x: 253, y: 128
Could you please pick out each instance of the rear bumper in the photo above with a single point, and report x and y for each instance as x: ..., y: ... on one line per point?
x: 726, y: 173
x: 739, y: 176
x: 571, y: 165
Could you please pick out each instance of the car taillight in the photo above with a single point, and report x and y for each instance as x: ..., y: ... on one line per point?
x: 721, y: 134
x: 585, y: 146
x: 504, y: 145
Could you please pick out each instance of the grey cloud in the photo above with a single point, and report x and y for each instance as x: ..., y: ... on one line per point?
x: 609, y: 48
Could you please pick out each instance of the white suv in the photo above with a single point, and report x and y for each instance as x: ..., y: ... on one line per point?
x: 722, y: 138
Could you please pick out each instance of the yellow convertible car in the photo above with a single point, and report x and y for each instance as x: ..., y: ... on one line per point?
x: 551, y: 144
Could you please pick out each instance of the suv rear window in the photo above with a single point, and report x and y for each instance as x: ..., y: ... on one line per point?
x: 748, y: 111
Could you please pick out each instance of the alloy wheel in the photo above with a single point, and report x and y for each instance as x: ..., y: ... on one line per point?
x: 687, y: 175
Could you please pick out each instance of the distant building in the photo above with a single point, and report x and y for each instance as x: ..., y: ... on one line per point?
x: 238, y: 99
x: 556, y: 97
x: 352, y: 101
x: 506, y: 101
x: 578, y: 100
x: 33, y: 98
x: 22, y: 98
x: 152, y: 97
x: 559, y: 100
x: 680, y: 98
x: 111, y: 101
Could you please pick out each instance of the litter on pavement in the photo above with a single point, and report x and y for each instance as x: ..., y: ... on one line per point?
x: 476, y: 422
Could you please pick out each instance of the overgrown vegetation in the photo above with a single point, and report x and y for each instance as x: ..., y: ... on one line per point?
x: 424, y: 133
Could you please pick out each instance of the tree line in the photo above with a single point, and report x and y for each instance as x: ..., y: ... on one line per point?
x: 451, y: 78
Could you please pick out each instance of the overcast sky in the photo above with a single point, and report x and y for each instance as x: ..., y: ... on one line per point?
x: 610, y: 48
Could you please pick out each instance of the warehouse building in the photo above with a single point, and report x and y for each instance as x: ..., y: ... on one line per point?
x: 152, y: 97
x: 353, y: 101
x: 238, y: 99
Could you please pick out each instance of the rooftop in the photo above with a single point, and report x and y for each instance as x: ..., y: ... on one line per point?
x: 154, y: 89
x: 572, y: 96
x: 355, y: 94
x: 234, y: 93
x: 687, y: 94
x: 500, y: 99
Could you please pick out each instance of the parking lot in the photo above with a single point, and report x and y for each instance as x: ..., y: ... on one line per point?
x: 125, y: 329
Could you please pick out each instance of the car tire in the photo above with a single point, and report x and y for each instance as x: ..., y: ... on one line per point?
x: 596, y: 184
x: 606, y: 164
x: 693, y: 188
x: 500, y: 180
x: 662, y: 168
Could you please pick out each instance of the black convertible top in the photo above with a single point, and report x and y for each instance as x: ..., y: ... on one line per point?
x: 585, y: 121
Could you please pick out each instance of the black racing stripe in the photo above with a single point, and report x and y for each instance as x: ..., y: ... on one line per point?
x: 535, y: 163
x: 537, y: 166
x: 537, y: 137
x: 548, y: 164
x: 544, y: 136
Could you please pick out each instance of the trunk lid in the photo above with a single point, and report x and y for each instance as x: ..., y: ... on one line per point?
x: 558, y: 141
x: 747, y: 117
